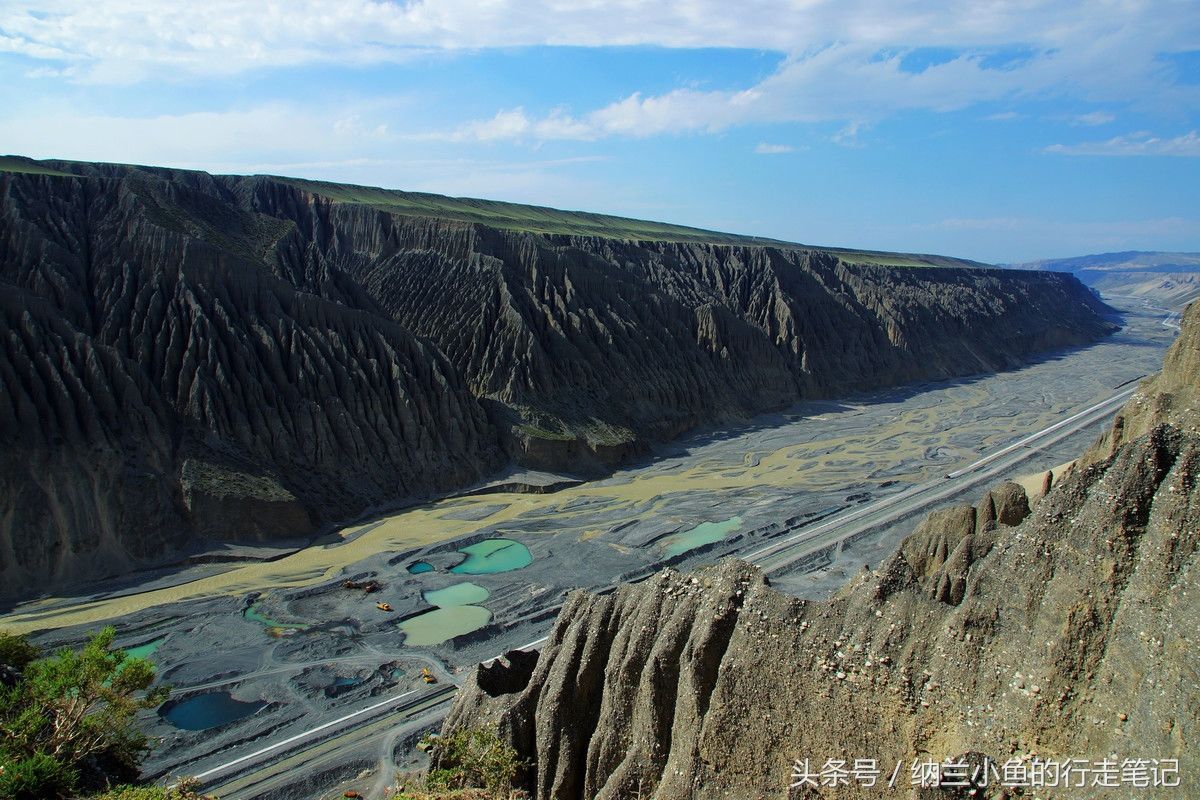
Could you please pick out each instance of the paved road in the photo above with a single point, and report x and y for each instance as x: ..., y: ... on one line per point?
x: 257, y: 775
x: 778, y: 557
x: 373, y: 656
x: 269, y: 768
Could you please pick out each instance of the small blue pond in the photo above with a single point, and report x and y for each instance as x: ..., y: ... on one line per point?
x: 209, y: 710
x: 417, y: 567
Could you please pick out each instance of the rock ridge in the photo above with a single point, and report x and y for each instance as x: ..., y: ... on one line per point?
x: 1065, y: 630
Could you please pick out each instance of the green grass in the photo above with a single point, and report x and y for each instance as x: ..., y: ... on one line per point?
x: 541, y: 433
x: 514, y: 216
x: 504, y: 215
x: 540, y: 219
x: 28, y: 166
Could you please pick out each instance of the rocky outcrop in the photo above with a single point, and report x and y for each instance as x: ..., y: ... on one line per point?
x: 1170, y: 398
x: 940, y: 553
x: 997, y: 631
x: 188, y: 357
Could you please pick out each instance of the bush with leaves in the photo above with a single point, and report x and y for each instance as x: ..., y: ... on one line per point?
x: 471, y: 758
x: 187, y: 789
x: 35, y: 777
x: 17, y: 651
x: 69, y: 722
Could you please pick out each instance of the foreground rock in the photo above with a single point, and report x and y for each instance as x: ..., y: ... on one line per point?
x: 192, y: 358
x: 1067, y: 631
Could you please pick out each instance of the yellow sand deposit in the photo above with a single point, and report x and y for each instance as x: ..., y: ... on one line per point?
x: 828, y: 462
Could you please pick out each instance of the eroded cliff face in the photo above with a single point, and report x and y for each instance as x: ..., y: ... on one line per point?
x: 1063, y: 631
x: 159, y: 385
x: 606, y: 342
x: 190, y: 357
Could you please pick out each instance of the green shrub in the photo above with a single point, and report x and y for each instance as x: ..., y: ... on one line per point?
x: 36, y: 776
x: 70, y: 721
x: 471, y: 758
x: 16, y: 651
x: 185, y: 790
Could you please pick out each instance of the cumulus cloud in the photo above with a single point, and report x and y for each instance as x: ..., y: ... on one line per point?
x: 837, y: 83
x: 1134, y: 144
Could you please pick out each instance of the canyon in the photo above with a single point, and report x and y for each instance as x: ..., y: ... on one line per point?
x: 192, y: 360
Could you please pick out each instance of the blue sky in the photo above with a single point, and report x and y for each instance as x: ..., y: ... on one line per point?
x: 1004, y: 131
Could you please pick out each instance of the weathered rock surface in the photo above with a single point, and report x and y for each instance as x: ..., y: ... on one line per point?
x: 190, y: 357
x: 1065, y: 631
x: 158, y: 384
x: 1170, y: 397
x: 594, y: 343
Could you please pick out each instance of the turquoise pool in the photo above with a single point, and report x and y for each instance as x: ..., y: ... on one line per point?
x: 702, y: 534
x: 144, y: 650
x: 460, y: 594
x: 254, y: 615
x: 493, y: 555
x: 442, y: 624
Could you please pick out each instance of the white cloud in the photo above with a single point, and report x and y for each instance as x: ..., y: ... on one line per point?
x: 124, y: 40
x: 1093, y: 118
x: 767, y: 149
x: 1003, y: 116
x: 857, y: 83
x: 191, y: 139
x: 505, y: 125
x: 842, y: 82
x: 848, y: 136
x: 1134, y: 144
x: 350, y: 143
x: 844, y: 60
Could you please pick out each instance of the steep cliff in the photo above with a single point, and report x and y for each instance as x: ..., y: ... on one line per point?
x: 159, y: 384
x: 1065, y: 631
x: 189, y: 357
x: 597, y: 343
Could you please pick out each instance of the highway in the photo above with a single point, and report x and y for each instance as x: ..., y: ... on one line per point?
x: 274, y: 766
x: 780, y: 556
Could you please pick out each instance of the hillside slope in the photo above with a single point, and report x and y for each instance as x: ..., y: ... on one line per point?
x: 1126, y: 261
x: 1172, y: 290
x: 191, y: 357
x: 159, y: 385
x: 997, y: 631
x: 1169, y: 279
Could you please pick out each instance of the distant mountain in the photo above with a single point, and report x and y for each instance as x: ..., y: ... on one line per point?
x: 1128, y: 261
x: 1168, y: 279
